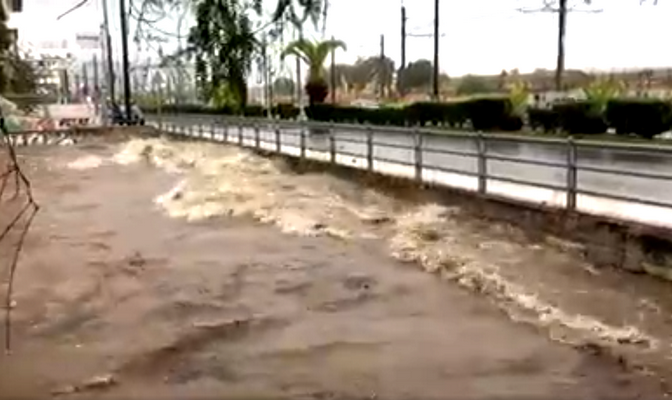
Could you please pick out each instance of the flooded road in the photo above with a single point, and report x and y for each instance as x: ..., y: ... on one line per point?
x: 172, y: 270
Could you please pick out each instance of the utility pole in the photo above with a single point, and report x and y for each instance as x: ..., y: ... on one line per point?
x: 85, y: 81
x: 403, y: 38
x: 264, y: 71
x: 382, y: 69
x: 95, y: 91
x: 108, y: 56
x: 299, y: 89
x: 124, y: 59
x: 402, y: 67
x: 563, y: 10
x: 562, y: 29
x: 435, y: 82
x: 333, y: 74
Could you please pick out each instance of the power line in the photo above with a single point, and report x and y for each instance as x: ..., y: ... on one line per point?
x: 562, y: 8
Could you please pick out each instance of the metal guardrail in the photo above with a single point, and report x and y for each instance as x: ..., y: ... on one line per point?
x: 572, y: 163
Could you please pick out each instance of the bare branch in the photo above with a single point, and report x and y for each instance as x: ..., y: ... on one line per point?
x: 30, y: 208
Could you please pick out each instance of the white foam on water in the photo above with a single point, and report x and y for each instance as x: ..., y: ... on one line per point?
x: 217, y: 180
x: 86, y: 162
x: 429, y: 236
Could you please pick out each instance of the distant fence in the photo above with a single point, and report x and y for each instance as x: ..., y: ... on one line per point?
x: 617, y: 180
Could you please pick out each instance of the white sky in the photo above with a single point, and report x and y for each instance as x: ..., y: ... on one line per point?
x: 479, y: 36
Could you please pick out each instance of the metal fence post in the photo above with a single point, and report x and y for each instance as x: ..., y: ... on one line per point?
x: 240, y: 133
x: 278, y: 143
x: 332, y: 144
x: 190, y: 129
x: 200, y: 130
x: 212, y: 132
x: 257, y: 139
x: 302, y: 142
x: 418, y: 154
x: 369, y: 149
x: 226, y: 132
x: 482, y: 167
x: 571, y: 174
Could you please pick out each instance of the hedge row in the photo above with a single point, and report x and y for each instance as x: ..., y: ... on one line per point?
x: 645, y: 118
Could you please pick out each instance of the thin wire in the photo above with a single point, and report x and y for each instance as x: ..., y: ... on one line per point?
x: 74, y: 8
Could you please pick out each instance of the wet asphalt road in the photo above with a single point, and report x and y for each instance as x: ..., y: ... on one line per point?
x: 398, y: 147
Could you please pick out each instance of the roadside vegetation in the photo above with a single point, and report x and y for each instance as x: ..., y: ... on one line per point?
x: 224, y: 47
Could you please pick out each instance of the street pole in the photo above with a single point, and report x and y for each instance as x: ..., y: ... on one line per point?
x: 382, y: 72
x: 124, y: 59
x: 264, y: 70
x: 562, y: 27
x: 333, y: 74
x: 403, y: 37
x: 436, y: 51
x: 96, y: 85
x: 108, y: 53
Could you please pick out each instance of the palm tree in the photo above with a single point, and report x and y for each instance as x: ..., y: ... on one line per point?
x: 314, y: 54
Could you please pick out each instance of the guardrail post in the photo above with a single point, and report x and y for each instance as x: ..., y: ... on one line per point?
x: 190, y: 129
x: 302, y: 141
x: 200, y: 130
x: 240, y: 133
x: 226, y: 132
x: 482, y: 167
x: 369, y: 149
x: 571, y: 174
x: 332, y: 144
x: 257, y: 139
x: 418, y: 154
x: 278, y: 143
x: 212, y: 132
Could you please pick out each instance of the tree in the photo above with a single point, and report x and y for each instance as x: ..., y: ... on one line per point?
x: 314, y: 55
x: 223, y: 45
x: 6, y: 42
x: 298, y: 14
x: 342, y: 73
x: 417, y: 75
x: 471, y: 84
x: 283, y: 86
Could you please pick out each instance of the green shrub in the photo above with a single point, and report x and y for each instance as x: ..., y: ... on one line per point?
x: 285, y: 111
x: 580, y: 117
x: 643, y: 117
x: 424, y: 113
x: 488, y: 114
x: 546, y: 119
x: 253, y: 111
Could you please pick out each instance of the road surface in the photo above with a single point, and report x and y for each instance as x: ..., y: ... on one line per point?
x: 656, y: 190
x: 270, y: 285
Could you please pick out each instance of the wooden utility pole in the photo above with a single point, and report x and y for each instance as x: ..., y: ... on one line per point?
x: 108, y: 53
x: 264, y: 73
x: 333, y: 74
x: 403, y: 38
x: 435, y: 81
x: 382, y: 69
x: 563, y: 10
x: 125, y: 64
x: 562, y: 28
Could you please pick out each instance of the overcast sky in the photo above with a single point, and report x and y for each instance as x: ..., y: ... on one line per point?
x: 478, y: 36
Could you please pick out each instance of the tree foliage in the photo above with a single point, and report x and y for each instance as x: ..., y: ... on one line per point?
x: 314, y: 54
x: 284, y: 86
x: 223, y: 45
x: 471, y: 84
x: 417, y: 75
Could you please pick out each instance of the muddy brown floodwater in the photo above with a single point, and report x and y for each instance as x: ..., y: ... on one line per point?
x: 115, y: 299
